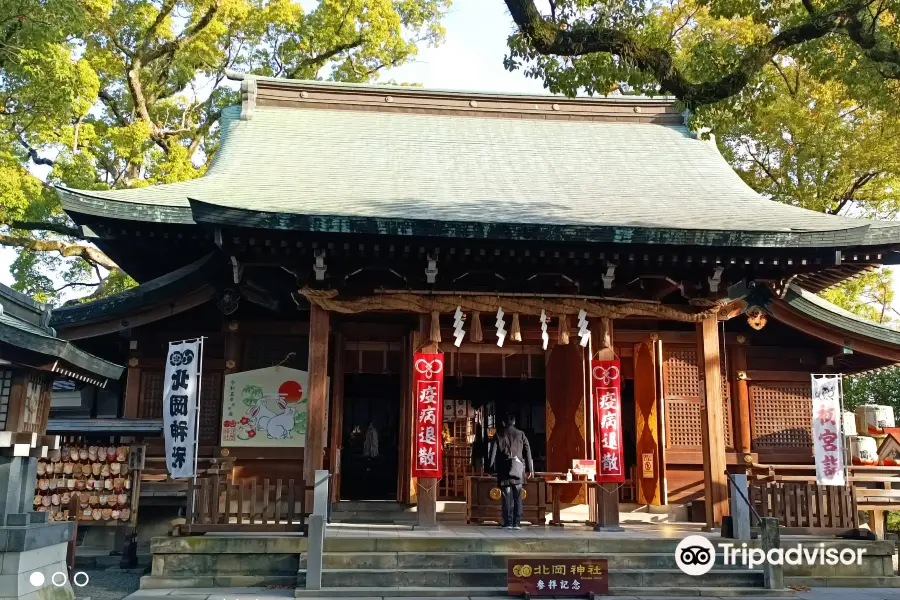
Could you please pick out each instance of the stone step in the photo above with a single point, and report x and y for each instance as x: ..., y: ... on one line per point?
x: 375, y: 517
x: 366, y: 506
x: 509, y: 546
x: 469, y: 560
x: 456, y: 578
x: 484, y: 592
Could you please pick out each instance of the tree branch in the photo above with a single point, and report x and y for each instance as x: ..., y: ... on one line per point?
x: 65, y: 249
x: 33, y: 155
x: 324, y: 56
x: 189, y: 35
x: 113, y: 107
x: 548, y: 38
x: 61, y: 229
x: 76, y: 284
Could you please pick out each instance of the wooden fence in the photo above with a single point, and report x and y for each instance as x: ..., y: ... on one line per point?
x: 219, y: 504
x: 803, y: 507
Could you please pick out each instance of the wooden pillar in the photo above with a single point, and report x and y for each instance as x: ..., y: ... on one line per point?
x: 233, y: 348
x: 314, y: 454
x: 607, y: 495
x: 132, y: 391
x: 743, y: 437
x: 426, y: 488
x: 712, y: 421
x: 337, y: 417
x: 405, y: 485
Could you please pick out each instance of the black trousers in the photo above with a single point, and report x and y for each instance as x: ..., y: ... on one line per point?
x: 512, y: 505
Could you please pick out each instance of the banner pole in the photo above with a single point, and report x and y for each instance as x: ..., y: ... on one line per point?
x: 197, y: 412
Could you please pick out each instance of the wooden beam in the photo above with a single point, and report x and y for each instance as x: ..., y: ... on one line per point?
x: 16, y: 409
x: 426, y: 488
x: 318, y: 389
x: 793, y: 376
x: 712, y: 422
x: 337, y: 417
x: 742, y: 395
x: 607, y: 496
x: 688, y: 338
x: 132, y: 393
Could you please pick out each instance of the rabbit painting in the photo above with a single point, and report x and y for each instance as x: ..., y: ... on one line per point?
x: 280, y: 426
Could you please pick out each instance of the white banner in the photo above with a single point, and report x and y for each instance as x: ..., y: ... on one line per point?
x: 182, y: 383
x: 828, y: 439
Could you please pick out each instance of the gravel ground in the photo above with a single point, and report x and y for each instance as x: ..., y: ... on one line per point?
x: 109, y: 584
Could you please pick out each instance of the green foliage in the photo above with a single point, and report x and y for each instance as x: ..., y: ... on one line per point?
x: 877, y: 387
x: 869, y: 296
x: 100, y: 94
x: 816, y: 125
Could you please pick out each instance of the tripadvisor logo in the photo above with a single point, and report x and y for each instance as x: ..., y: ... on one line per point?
x: 695, y: 555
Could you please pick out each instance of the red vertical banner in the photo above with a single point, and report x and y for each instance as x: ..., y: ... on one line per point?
x: 428, y: 383
x: 607, y: 384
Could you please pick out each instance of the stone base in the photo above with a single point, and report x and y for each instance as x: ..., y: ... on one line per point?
x: 18, y: 569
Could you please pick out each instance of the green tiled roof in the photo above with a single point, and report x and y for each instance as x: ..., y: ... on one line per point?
x: 819, y: 309
x: 167, y: 288
x: 28, y: 332
x: 475, y: 176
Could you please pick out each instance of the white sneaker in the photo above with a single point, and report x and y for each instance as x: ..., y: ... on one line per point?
x: 505, y: 527
x: 517, y: 527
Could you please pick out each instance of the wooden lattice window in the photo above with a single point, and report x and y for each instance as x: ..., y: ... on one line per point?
x: 5, y: 390
x: 37, y: 395
x: 210, y: 408
x: 151, y: 396
x: 782, y: 415
x: 150, y: 405
x: 683, y: 402
x: 682, y: 375
x: 683, y: 425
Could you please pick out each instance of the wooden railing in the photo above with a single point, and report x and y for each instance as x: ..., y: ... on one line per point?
x: 218, y: 504
x: 793, y: 496
x: 804, y: 507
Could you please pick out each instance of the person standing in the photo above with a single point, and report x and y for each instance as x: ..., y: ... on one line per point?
x: 510, y: 458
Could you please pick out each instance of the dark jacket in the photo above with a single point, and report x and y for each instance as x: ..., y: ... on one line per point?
x: 510, y: 443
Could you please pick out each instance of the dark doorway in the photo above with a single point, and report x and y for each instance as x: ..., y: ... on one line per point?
x: 370, y: 401
x: 629, y: 426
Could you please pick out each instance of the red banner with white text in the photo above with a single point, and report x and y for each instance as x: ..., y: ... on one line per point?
x: 428, y: 384
x: 607, y: 386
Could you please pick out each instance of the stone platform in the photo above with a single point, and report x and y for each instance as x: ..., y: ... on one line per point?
x: 459, y: 560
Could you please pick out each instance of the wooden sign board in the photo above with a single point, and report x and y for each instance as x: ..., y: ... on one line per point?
x: 557, y: 577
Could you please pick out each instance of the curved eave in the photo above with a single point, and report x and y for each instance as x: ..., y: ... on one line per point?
x: 220, y: 216
x: 815, y: 316
x: 78, y: 202
x: 180, y: 290
x: 58, y: 350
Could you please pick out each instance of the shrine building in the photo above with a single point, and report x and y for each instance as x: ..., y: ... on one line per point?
x: 339, y: 228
